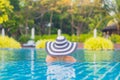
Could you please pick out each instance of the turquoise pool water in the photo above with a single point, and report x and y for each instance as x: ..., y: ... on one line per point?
x: 29, y: 64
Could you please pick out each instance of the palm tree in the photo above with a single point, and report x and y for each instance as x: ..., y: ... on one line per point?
x: 113, y: 8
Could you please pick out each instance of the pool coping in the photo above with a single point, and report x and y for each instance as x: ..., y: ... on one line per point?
x: 81, y: 45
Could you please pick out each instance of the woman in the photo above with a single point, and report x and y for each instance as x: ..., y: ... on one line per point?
x: 60, y: 50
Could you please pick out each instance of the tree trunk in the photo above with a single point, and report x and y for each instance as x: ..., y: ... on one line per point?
x: 72, y: 25
x: 118, y: 26
x: 79, y: 28
x: 78, y: 31
x: 21, y: 31
x: 61, y: 25
x: 26, y: 26
x: 41, y: 24
x: 51, y: 16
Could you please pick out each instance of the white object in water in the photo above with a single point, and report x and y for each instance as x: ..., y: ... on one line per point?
x: 32, y: 33
x: 95, y: 33
x: 3, y: 32
x: 59, y: 32
x: 29, y: 43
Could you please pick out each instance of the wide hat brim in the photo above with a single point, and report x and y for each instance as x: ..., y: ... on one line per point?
x: 59, y: 50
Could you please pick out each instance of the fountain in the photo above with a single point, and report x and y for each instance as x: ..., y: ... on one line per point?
x: 32, y: 33
x: 3, y: 32
x: 95, y: 33
x: 59, y: 32
x: 31, y: 42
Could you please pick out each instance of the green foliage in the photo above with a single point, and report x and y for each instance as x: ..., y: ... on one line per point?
x: 41, y: 40
x: 37, y: 37
x: 68, y: 37
x: 115, y: 38
x: 49, y: 36
x: 80, y: 38
x: 84, y: 37
x: 98, y: 43
x: 114, y: 7
x: 24, y: 38
x: 118, y: 5
x: 94, y: 21
x: 72, y: 38
x: 12, y: 23
x: 30, y: 13
x: 15, y: 3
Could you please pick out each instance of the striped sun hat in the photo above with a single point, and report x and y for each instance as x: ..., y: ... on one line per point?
x: 60, y: 47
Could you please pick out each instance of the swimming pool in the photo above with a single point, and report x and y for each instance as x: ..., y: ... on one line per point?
x: 29, y: 64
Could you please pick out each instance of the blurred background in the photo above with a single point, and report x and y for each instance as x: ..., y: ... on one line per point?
x: 73, y: 17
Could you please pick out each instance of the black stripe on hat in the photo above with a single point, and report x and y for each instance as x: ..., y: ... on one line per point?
x: 61, y: 46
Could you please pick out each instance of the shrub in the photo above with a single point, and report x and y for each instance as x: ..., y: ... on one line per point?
x: 53, y: 36
x: 6, y: 42
x: 41, y: 43
x: 98, y: 43
x: 37, y: 37
x: 74, y: 38
x: 84, y: 37
x: 24, y: 38
x: 80, y: 38
x: 67, y: 36
x: 115, y: 38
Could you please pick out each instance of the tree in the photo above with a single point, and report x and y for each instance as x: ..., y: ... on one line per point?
x: 113, y: 9
x: 53, y: 7
x: 5, y: 9
x: 85, y: 13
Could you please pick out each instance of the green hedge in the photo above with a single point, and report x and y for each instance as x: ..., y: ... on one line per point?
x: 24, y: 38
x: 73, y: 38
x: 84, y: 37
x: 115, y: 38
